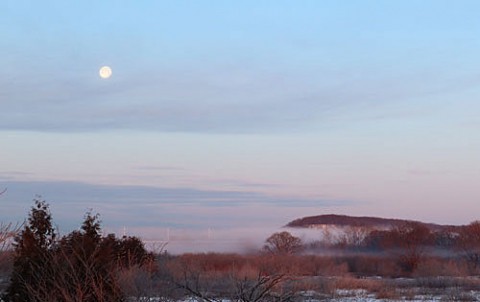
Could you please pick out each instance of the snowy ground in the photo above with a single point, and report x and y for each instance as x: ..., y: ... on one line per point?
x: 364, y: 296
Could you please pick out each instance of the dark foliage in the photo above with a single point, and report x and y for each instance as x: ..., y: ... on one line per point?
x: 32, y: 252
x: 81, y: 266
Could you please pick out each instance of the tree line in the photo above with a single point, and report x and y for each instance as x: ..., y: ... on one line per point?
x: 408, y: 244
x: 80, y: 266
x: 86, y: 265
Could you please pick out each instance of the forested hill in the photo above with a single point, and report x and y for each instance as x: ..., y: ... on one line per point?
x: 344, y: 221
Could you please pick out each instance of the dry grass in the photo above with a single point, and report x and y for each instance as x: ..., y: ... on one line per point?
x: 441, y: 267
x: 317, y: 277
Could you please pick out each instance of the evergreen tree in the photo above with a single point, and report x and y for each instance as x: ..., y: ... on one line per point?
x: 32, y: 253
x: 91, y: 266
x: 82, y: 266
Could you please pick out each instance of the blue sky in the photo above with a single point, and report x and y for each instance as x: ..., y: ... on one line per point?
x: 293, y: 107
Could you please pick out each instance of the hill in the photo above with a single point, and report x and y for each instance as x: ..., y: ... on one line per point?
x: 354, y: 221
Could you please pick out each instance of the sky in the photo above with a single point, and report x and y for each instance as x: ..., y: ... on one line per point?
x: 230, y: 116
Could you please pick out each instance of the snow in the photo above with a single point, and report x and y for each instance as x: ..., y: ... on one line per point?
x: 360, y: 295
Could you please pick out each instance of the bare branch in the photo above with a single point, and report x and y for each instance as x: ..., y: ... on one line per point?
x: 8, y: 231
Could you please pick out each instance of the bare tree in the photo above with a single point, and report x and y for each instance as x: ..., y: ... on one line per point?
x: 469, y: 243
x: 191, y: 274
x: 261, y: 289
x: 353, y: 236
x: 203, y: 277
x: 8, y: 231
x: 283, y: 243
x: 411, y: 237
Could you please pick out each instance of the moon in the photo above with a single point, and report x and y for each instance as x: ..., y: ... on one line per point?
x: 105, y: 72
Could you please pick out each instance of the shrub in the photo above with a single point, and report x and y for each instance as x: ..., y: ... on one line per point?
x: 82, y: 266
x: 31, y: 254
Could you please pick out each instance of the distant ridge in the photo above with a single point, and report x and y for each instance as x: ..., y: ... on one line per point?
x: 354, y: 221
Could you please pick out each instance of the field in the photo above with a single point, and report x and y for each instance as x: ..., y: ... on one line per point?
x: 408, y: 262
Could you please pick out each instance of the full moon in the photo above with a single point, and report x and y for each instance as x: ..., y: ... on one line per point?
x: 105, y: 72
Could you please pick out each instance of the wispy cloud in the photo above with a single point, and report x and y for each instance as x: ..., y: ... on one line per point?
x: 160, y: 168
x: 218, y: 101
x: 153, y: 206
x: 12, y: 175
x: 427, y: 172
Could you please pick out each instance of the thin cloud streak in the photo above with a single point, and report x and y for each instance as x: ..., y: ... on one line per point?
x: 160, y: 168
x: 153, y: 206
x: 203, y: 103
x: 73, y: 192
